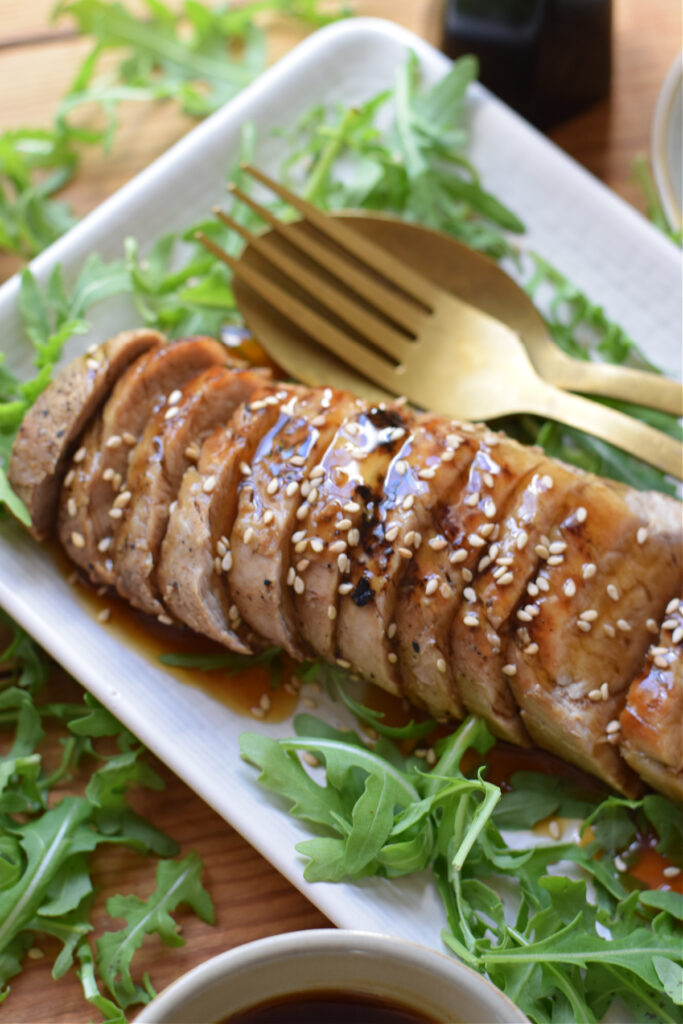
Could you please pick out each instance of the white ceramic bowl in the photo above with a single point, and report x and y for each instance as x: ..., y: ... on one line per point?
x: 667, y: 144
x: 325, y: 959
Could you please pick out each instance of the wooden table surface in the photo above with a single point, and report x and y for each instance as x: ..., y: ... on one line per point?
x: 37, y: 62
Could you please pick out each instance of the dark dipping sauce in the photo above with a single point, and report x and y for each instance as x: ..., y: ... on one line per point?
x: 329, y: 1008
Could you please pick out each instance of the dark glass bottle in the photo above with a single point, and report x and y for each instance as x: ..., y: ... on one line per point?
x: 548, y: 59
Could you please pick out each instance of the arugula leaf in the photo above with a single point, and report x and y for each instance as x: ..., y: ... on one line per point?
x: 177, y: 882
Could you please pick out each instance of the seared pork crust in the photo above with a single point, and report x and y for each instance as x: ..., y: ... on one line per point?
x: 53, y: 425
x: 650, y: 728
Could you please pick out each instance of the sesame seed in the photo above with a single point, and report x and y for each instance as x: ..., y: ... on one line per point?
x: 661, y: 662
x: 581, y: 514
x: 672, y: 606
x: 613, y: 591
x: 115, y: 513
x: 319, y: 421
x: 556, y: 560
x: 317, y: 545
x: 472, y: 499
x: 268, y: 516
x: 431, y: 586
x: 343, y: 663
x: 392, y: 657
x: 108, y: 473
x: 80, y: 454
x: 343, y: 563
x: 337, y: 546
x: 623, y: 625
x: 475, y: 540
x: 303, y: 510
x: 291, y: 575
x: 446, y: 590
x: 417, y: 539
x: 590, y: 615
x: 557, y: 547
x: 469, y: 594
x: 168, y: 415
x: 297, y: 460
x: 457, y: 556
x: 437, y: 543
x: 619, y: 864
x: 641, y: 534
x: 542, y: 551
x: 104, y: 615
x: 258, y: 712
x: 604, y: 691
x: 612, y: 726
x: 344, y: 524
x: 531, y: 649
x: 303, y: 564
x: 116, y: 481
x: 609, y: 630
x: 677, y: 635
x: 594, y: 695
x: 104, y: 544
x: 466, y: 575
x: 300, y: 546
x: 344, y: 588
x: 245, y: 469
x: 192, y: 452
x: 548, y: 482
x: 299, y: 585
x: 543, y: 584
x: 509, y: 670
x: 524, y: 616
x: 71, y: 507
x: 351, y: 506
x: 233, y: 612
x: 448, y: 455
x: 272, y: 486
x: 483, y: 563
x: 209, y: 484
x: 408, y: 503
x: 470, y: 620
x: 248, y: 535
x: 165, y: 620
x: 299, y: 535
x: 291, y: 488
x: 569, y: 587
x: 175, y: 397
x: 671, y: 871
x: 92, y: 364
x: 488, y: 479
x: 505, y: 580
x: 494, y: 551
x: 427, y: 474
x: 122, y: 499
x: 486, y: 529
x: 522, y: 540
x: 401, y: 467
x: 69, y: 478
x: 532, y: 589
x: 658, y: 650
x: 354, y: 537
x: 316, y: 472
x: 669, y: 624
x: 405, y: 552
x: 453, y: 441
x: 392, y: 533
x: 226, y: 563
x: 554, y: 830
x: 589, y: 570
x: 331, y: 612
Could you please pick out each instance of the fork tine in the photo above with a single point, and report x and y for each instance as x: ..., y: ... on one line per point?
x: 373, y: 256
x: 403, y: 312
x: 342, y: 345
x: 367, y: 324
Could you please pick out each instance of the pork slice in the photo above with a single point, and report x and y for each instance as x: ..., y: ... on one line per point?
x: 580, y: 646
x: 92, y: 483
x: 193, y: 572
x: 348, y: 479
x: 495, y: 592
x: 275, y: 497
x: 155, y: 473
x: 650, y: 729
x: 52, y: 426
x: 393, y: 528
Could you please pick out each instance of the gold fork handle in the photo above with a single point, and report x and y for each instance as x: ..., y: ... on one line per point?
x: 621, y: 382
x: 617, y: 428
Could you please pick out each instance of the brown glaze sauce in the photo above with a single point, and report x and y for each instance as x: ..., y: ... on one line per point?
x: 329, y: 1008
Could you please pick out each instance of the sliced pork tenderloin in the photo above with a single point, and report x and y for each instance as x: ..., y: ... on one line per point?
x: 583, y: 645
x: 193, y: 571
x: 51, y: 428
x: 274, y: 499
x: 649, y: 732
x: 155, y: 473
x: 86, y: 528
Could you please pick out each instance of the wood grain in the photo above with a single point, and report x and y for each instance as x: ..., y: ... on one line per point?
x: 37, y: 62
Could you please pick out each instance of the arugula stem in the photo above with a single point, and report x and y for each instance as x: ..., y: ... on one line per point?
x: 318, y: 179
x: 481, y: 817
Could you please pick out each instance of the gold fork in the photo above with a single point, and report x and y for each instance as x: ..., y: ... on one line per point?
x: 411, y: 337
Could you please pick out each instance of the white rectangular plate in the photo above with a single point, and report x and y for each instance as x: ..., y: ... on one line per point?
x: 604, y: 246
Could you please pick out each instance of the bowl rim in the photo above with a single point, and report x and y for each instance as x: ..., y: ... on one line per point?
x: 316, y: 941
x: 673, y: 84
